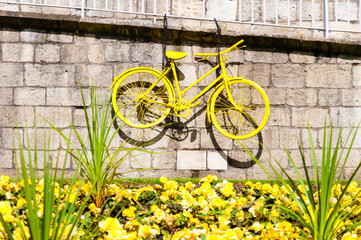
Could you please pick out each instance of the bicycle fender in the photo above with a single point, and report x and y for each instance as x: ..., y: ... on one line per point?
x: 210, y: 97
x: 115, y: 79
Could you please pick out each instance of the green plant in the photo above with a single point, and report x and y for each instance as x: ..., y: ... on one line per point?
x: 323, y: 207
x: 49, y: 215
x: 97, y: 160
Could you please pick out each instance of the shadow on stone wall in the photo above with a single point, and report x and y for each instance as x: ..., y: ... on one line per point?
x: 178, y: 130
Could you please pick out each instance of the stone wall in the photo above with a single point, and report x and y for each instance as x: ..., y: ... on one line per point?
x: 40, y: 71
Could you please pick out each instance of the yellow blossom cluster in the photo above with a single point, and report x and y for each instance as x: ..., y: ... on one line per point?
x: 207, y: 210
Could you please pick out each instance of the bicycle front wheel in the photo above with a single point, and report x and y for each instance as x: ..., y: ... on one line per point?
x: 135, y: 105
x: 250, y: 114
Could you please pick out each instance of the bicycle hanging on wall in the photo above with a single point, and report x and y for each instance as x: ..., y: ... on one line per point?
x: 143, y: 97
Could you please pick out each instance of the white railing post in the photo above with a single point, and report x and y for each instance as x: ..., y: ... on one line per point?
x: 325, y: 18
x: 82, y: 8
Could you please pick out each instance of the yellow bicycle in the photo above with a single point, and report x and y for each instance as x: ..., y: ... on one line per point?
x: 143, y: 97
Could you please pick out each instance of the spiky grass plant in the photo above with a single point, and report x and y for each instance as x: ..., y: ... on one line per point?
x: 97, y: 158
x: 49, y: 217
x: 323, y: 212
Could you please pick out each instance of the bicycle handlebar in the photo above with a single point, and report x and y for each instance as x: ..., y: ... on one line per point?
x: 232, y: 48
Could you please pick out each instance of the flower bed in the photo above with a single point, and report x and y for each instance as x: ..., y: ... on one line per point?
x: 207, y: 210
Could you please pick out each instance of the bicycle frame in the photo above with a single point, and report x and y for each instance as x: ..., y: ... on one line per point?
x: 180, y: 93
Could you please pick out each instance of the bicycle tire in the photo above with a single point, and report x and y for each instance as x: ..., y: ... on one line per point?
x: 247, y: 120
x: 138, y: 110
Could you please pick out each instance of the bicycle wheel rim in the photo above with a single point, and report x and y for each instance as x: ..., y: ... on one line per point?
x: 233, y: 122
x: 141, y: 113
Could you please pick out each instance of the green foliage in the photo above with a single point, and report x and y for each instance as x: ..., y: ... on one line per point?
x: 49, y: 217
x: 97, y: 160
x: 323, y: 211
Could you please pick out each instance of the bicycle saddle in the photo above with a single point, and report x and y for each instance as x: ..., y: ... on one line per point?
x: 175, y: 55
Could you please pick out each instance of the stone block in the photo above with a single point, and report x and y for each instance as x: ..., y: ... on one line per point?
x: 66, y: 97
x: 146, y: 53
x: 48, y: 53
x: 188, y: 139
x: 117, y: 52
x: 203, y: 68
x: 276, y: 96
x: 140, y: 160
x: 351, y: 98
x: 314, y: 116
x: 43, y: 136
x: 59, y: 37
x: 49, y: 75
x: 56, y: 159
x: 122, y: 67
x: 233, y: 174
x: 29, y: 96
x: 6, y: 96
x: 288, y: 75
x: 74, y: 138
x: 271, y: 137
x: 15, y: 116
x: 279, y: 116
x: 329, y: 97
x: 74, y: 53
x: 259, y: 73
x: 9, y: 36
x: 212, y: 139
x: 164, y: 160
x: 345, y: 134
x: 302, y: 57
x: 187, y: 74
x: 32, y: 36
x: 170, y: 174
x: 302, y: 97
x: 349, y: 172
x: 79, y: 117
x: 346, y: 117
x: 256, y: 173
x: 6, y: 159
x: 215, y: 161
x: 328, y: 76
x: 305, y: 136
x: 356, y: 70
x: 60, y: 117
x: 289, y: 138
x: 192, y: 160
x: 258, y: 56
x: 95, y: 75
x: 17, y: 52
x: 262, y: 56
x: 10, y: 137
x: 96, y: 53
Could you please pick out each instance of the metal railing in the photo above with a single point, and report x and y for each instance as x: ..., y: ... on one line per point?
x: 323, y: 15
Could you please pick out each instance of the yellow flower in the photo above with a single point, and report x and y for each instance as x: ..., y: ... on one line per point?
x: 129, y: 212
x: 21, y: 202
x: 285, y: 227
x: 94, y: 209
x: 109, y: 224
x: 257, y: 226
x: 163, y: 180
x: 189, y: 185
x: 349, y: 236
x: 266, y: 188
x: 227, y: 189
x: 209, y: 179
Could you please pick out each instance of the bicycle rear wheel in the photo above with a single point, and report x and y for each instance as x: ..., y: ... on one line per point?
x: 247, y: 118
x: 133, y: 106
